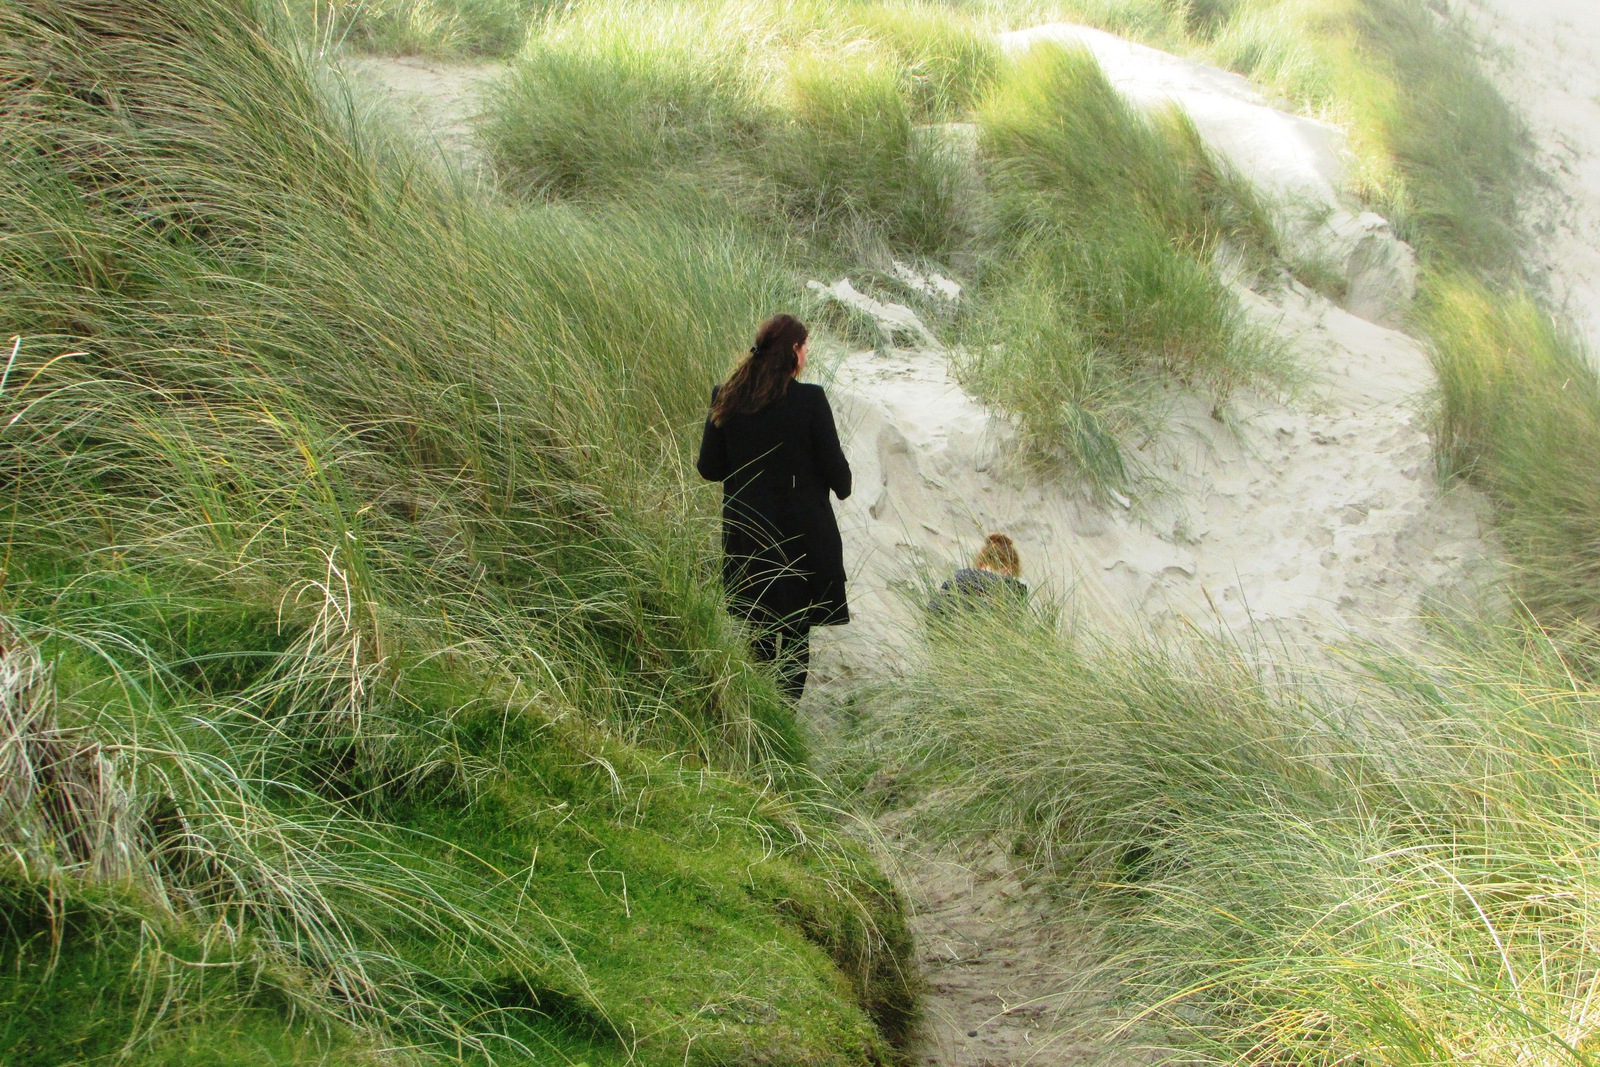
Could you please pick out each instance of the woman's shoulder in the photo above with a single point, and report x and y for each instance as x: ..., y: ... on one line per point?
x: 807, y: 393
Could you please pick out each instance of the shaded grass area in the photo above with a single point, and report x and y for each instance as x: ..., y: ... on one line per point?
x: 1387, y: 863
x: 348, y: 513
x: 850, y: 136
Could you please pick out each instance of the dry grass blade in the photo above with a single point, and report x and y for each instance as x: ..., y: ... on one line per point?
x: 62, y: 802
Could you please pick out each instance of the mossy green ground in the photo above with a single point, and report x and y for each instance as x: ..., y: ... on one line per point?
x: 348, y: 511
x: 78, y: 986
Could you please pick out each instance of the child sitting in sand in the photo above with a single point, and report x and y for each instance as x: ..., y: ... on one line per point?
x: 995, y: 578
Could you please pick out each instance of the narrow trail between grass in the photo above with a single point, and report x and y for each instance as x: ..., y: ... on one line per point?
x: 436, y: 98
x: 1001, y: 965
x: 1301, y: 519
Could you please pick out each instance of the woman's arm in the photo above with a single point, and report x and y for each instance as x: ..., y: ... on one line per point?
x: 830, y: 457
x: 713, y: 460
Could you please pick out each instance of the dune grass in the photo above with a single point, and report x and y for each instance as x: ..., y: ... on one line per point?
x: 840, y: 135
x: 1102, y: 287
x: 1386, y: 863
x: 350, y: 515
x: 800, y: 120
x: 1519, y: 416
x: 448, y: 29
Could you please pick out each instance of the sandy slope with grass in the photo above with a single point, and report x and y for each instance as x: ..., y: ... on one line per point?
x: 1545, y: 58
x: 1313, y: 516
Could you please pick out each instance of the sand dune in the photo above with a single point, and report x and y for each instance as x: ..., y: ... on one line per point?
x: 1310, y: 517
x: 1545, y: 57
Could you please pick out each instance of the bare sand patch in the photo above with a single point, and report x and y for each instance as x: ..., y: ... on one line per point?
x: 437, y: 98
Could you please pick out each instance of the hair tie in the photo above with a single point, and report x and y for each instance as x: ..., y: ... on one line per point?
x: 753, y: 352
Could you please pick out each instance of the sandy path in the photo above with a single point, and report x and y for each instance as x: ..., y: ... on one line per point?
x: 1000, y: 958
x: 436, y: 98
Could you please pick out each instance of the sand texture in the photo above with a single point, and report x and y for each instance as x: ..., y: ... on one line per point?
x: 1314, y: 516
x: 1545, y: 58
x: 1002, y: 968
x: 437, y: 99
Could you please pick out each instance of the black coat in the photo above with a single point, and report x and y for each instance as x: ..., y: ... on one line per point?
x: 782, y: 556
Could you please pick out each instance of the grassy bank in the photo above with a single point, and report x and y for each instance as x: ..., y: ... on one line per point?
x: 349, y: 514
x: 1389, y: 863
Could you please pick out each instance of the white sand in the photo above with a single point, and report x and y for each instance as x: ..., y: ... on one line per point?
x: 1313, y: 517
x: 1317, y: 517
x: 1546, y: 61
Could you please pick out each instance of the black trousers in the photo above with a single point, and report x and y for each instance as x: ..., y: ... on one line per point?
x: 788, y: 646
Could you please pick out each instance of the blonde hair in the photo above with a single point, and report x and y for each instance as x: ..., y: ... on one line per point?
x: 999, y: 554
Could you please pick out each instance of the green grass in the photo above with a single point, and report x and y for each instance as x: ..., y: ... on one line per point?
x: 451, y: 29
x: 1102, y: 288
x: 1519, y: 416
x: 352, y: 515
x: 95, y: 980
x: 1390, y: 862
x: 800, y: 121
x: 1384, y: 862
x: 1087, y: 231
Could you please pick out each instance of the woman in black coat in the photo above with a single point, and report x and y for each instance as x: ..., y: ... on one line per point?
x: 771, y: 442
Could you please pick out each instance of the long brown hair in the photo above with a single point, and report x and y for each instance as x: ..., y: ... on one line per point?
x: 763, y: 376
